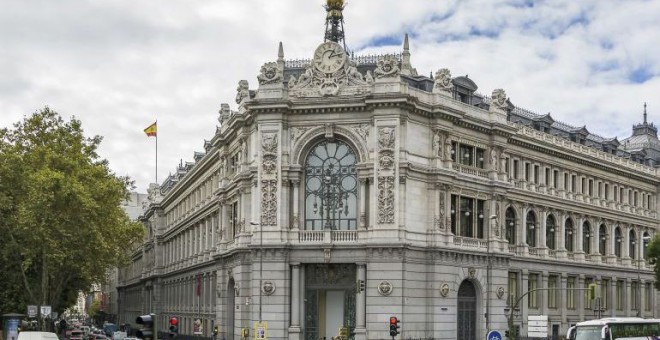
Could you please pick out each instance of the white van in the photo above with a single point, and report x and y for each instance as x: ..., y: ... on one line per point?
x: 30, y: 335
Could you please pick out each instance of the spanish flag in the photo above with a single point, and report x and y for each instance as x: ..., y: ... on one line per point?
x: 151, y: 130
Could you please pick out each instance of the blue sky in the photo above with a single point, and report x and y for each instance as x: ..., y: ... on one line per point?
x: 118, y: 65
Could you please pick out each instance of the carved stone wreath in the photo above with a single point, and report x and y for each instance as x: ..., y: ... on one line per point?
x: 268, y: 287
x: 387, y: 67
x: 385, y: 288
x: 444, y: 289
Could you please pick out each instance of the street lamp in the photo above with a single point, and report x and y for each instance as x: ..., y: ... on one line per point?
x: 261, y: 263
x: 488, y: 265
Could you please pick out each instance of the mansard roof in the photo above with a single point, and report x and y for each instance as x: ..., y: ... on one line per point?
x: 464, y: 81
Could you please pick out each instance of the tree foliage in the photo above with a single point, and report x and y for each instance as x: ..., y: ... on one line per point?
x: 653, y: 255
x: 60, y: 213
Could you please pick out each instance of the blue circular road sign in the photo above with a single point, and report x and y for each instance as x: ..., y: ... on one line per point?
x: 494, y: 335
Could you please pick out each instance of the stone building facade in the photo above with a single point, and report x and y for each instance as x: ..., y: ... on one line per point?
x: 446, y: 206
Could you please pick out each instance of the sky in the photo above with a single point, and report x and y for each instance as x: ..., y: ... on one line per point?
x: 120, y: 65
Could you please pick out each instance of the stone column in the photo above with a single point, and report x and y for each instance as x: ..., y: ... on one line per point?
x: 580, y: 297
x: 612, y: 291
x: 625, y: 245
x: 642, y: 301
x: 562, y: 299
x: 523, y: 226
x: 543, y: 216
x: 363, y: 203
x: 361, y: 305
x: 544, y: 293
x: 295, y: 224
x: 524, y: 310
x: 560, y: 229
x: 627, y: 297
x: 294, y: 329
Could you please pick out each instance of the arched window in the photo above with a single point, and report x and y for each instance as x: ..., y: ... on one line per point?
x: 550, y: 232
x: 531, y: 229
x: 510, y: 220
x: 632, y: 243
x: 617, y: 242
x: 602, y: 241
x: 568, y: 235
x: 586, y: 237
x: 331, y: 187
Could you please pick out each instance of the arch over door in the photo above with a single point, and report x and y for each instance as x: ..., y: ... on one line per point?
x: 466, y: 323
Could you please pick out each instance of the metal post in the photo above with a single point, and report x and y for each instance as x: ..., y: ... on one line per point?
x: 488, y: 270
x: 261, y: 267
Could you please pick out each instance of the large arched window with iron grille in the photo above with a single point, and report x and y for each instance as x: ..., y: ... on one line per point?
x: 510, y: 220
x: 586, y: 237
x: 331, y: 187
x: 568, y: 235
x: 602, y: 241
x: 617, y: 242
x: 550, y: 232
x: 531, y: 229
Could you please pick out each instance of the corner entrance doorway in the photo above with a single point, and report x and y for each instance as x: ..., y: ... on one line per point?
x: 329, y: 300
x: 466, y: 312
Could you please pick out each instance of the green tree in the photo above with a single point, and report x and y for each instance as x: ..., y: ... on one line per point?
x: 653, y: 255
x: 60, y: 215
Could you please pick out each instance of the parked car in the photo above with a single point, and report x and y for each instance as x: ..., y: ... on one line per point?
x: 77, y: 334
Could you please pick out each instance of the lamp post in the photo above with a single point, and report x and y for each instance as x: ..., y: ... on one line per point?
x: 488, y: 269
x: 261, y: 263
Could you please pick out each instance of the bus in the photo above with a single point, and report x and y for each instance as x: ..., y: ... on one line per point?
x: 615, y: 328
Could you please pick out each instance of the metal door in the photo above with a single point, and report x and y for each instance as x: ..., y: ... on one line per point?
x: 467, y: 312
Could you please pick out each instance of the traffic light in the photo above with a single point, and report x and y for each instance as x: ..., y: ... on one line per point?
x: 148, y: 327
x: 394, y: 326
x: 360, y: 286
x: 174, y: 327
x: 216, y: 330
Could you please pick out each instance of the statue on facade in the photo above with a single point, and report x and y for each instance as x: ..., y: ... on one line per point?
x: 499, y: 100
x: 269, y: 74
x: 242, y: 91
x: 442, y: 81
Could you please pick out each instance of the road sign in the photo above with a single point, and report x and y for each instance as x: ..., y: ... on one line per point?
x: 537, y: 326
x: 32, y: 311
x: 45, y: 311
x: 494, y: 335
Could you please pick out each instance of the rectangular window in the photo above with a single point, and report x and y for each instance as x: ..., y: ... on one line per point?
x: 454, y: 214
x: 507, y: 167
x: 555, y: 182
x: 619, y: 294
x: 516, y: 169
x: 513, y: 289
x: 233, y: 219
x: 604, y: 286
x: 583, y: 185
x: 547, y: 176
x: 620, y: 195
x: 552, y: 291
x: 537, y: 180
x: 570, y: 292
x: 467, y: 216
x: 591, y: 187
x: 527, y: 173
x: 566, y: 181
x: 454, y: 150
x: 532, y: 283
x: 480, y: 158
x: 635, y: 199
x: 607, y: 191
x: 573, y: 182
x: 466, y: 154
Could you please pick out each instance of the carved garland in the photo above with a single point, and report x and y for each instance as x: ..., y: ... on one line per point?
x: 269, y: 146
x: 386, y: 162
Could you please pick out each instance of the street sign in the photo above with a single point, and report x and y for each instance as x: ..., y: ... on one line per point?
x: 260, y: 330
x: 537, y: 326
x: 32, y: 311
x: 45, y: 311
x: 494, y: 335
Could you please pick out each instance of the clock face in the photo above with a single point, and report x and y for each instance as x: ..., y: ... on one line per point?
x: 329, y: 57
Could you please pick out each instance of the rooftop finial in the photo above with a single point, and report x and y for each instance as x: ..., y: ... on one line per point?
x: 406, y: 46
x: 644, y: 112
x: 280, y: 52
x: 334, y: 22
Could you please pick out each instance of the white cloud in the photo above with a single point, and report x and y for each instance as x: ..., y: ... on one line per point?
x: 119, y: 65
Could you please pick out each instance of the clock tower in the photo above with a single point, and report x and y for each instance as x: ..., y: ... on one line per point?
x: 334, y: 22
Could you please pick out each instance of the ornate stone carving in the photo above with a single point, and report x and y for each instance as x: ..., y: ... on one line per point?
x: 500, y: 292
x: 362, y: 130
x: 269, y: 143
x: 472, y: 273
x: 442, y: 217
x: 385, y: 288
x: 295, y: 132
x: 327, y: 255
x: 329, y: 131
x: 387, y: 66
x: 499, y: 100
x: 444, y: 289
x: 386, y: 159
x: 385, y: 199
x: 242, y: 91
x: 269, y: 164
x: 268, y: 288
x: 269, y: 74
x: 448, y: 148
x: 269, y: 202
x: 333, y: 273
x: 494, y: 164
x: 237, y: 289
x: 295, y: 223
x: 438, y: 143
x: 442, y: 81
x: 386, y: 137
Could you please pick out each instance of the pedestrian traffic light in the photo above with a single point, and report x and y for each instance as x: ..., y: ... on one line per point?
x: 174, y: 327
x: 394, y: 326
x: 148, y: 327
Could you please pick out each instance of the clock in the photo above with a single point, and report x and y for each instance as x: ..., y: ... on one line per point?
x: 329, y: 57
